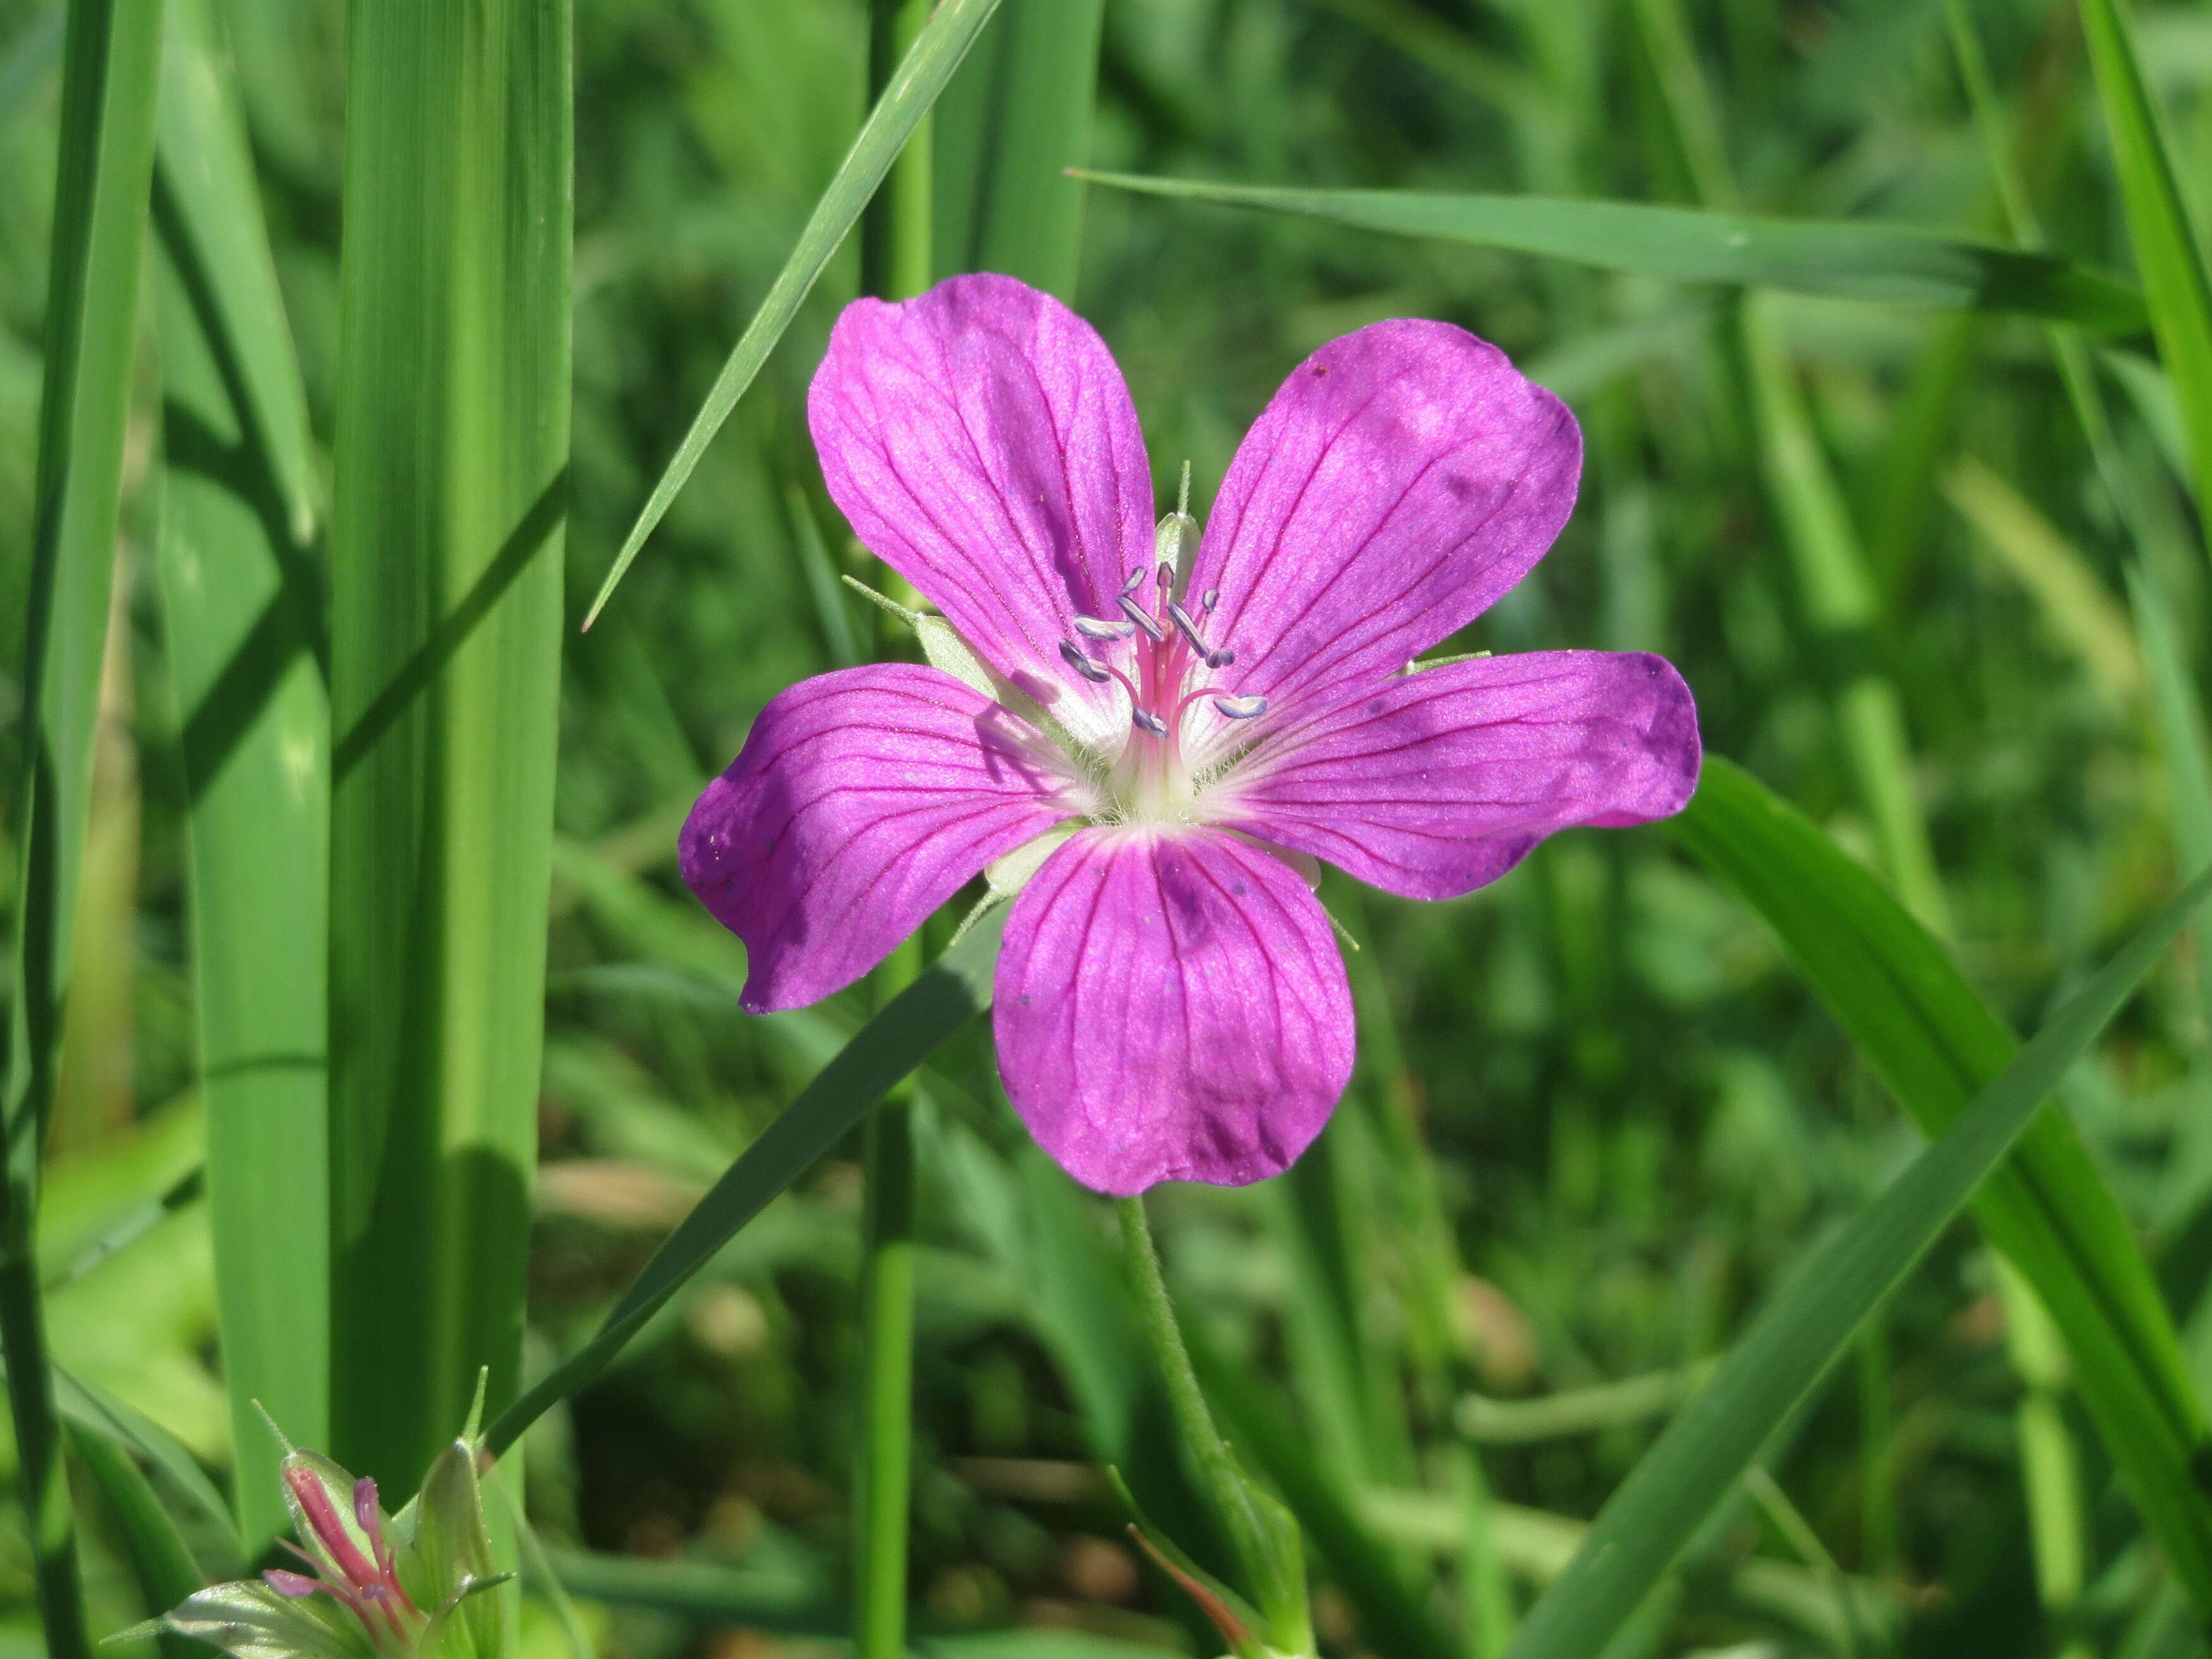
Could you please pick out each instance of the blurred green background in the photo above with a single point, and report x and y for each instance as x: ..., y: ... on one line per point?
x: 1638, y: 1118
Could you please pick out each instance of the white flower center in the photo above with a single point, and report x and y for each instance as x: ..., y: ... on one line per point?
x: 1163, y: 659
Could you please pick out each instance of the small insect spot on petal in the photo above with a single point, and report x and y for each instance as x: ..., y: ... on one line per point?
x: 1236, y: 888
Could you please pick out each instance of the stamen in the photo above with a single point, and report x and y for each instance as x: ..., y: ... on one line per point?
x: 1241, y: 709
x: 1212, y: 598
x: 1145, y: 720
x: 1135, y: 613
x: 1094, y: 628
x: 1082, y: 665
x: 1188, y: 629
x: 1136, y: 580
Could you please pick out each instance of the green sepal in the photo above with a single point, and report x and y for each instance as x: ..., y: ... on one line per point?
x: 250, y: 1620
x: 1196, y: 1582
x: 452, y: 1551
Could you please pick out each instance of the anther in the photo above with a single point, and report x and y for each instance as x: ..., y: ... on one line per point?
x: 1241, y: 709
x: 1093, y: 628
x: 1135, y: 613
x: 1212, y: 598
x: 1136, y: 580
x: 1188, y: 629
x: 1220, y: 659
x: 1083, y: 664
x: 1145, y: 720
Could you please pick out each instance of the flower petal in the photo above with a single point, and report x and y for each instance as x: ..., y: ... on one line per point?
x: 861, y: 801
x: 1170, y: 1006
x: 1441, y: 780
x: 982, y: 442
x: 1403, y: 478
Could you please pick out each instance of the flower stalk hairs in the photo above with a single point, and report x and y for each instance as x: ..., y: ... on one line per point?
x: 1149, y: 737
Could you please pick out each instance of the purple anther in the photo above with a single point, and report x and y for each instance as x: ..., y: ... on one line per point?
x: 296, y: 1585
x: 1094, y: 628
x: 1241, y: 709
x: 1136, y: 580
x: 1220, y: 659
x: 1135, y: 613
x: 1145, y: 720
x: 1083, y: 664
x: 1188, y: 629
x: 1212, y: 598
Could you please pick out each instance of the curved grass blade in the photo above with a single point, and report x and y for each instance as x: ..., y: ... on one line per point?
x: 91, y: 1407
x: 158, y: 1561
x: 2169, y: 254
x: 1936, y: 1046
x: 244, y: 609
x: 950, y: 992
x: 111, y: 60
x: 937, y: 51
x: 1707, y: 1448
x: 1856, y: 259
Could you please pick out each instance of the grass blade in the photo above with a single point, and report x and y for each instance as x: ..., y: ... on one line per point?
x: 950, y: 993
x: 2169, y: 254
x: 159, y: 1560
x: 111, y: 57
x: 1936, y: 1046
x: 936, y: 53
x: 1017, y: 114
x: 244, y: 609
x: 452, y: 440
x: 1791, y: 1347
x: 1857, y: 259
x: 89, y: 1406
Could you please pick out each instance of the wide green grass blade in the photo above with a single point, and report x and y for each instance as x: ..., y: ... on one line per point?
x: 243, y: 606
x: 937, y: 51
x: 950, y: 992
x: 1707, y: 1448
x: 2169, y: 252
x: 1936, y: 1045
x: 111, y: 59
x: 1016, y: 115
x: 450, y: 465
x: 1858, y: 259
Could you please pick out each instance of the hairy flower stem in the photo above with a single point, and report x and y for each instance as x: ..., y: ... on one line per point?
x: 1274, y: 1582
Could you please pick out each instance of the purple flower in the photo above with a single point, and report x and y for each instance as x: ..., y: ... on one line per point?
x: 1185, y: 727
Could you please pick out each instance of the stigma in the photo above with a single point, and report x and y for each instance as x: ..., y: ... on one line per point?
x: 1159, y: 649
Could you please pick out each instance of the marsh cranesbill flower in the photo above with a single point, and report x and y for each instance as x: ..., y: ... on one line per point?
x: 378, y: 1588
x: 1161, y: 732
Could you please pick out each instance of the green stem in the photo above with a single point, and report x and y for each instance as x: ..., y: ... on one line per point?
x: 895, y: 264
x: 887, y: 1369
x: 1259, y: 1548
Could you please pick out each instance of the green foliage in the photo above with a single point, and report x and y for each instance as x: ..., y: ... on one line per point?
x: 1883, y: 508
x: 451, y: 501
